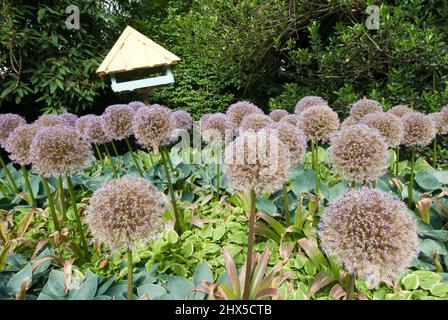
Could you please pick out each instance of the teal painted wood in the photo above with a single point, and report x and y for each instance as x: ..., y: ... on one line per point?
x: 142, y: 83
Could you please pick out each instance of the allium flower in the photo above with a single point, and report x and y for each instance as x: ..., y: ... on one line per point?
x: 125, y: 212
x: 153, y: 126
x: 307, y: 102
x: 318, y: 122
x: 136, y: 105
x: 359, y: 153
x: 69, y: 117
x: 400, y: 110
x: 59, y: 150
x: 370, y: 233
x: 183, y: 119
x: 349, y: 121
x: 255, y: 122
x: 292, y: 119
x: 388, y: 125
x: 293, y: 138
x: 419, y: 129
x: 277, y: 114
x: 94, y: 132
x: 205, y: 117
x: 440, y: 120
x: 80, y: 124
x: 257, y: 160
x: 50, y: 120
x: 213, y: 128
x: 238, y: 111
x: 118, y: 121
x: 365, y: 106
x: 19, y: 141
x: 8, y: 122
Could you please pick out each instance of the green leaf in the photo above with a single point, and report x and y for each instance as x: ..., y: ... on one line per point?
x: 440, y: 289
x: 410, y: 282
x: 427, y: 181
x: 179, y: 287
x: 266, y: 206
x: 151, y: 290
x: 218, y: 232
x: 172, y: 236
x: 304, y: 183
x: 428, y: 279
x: 88, y: 288
x: 24, y: 275
x: 202, y: 273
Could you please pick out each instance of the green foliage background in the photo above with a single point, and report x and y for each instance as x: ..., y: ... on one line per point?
x: 271, y: 52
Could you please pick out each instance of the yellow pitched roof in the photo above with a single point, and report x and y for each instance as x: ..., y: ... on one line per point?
x: 135, y: 51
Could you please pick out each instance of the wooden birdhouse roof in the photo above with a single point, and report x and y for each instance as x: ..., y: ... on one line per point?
x: 134, y: 51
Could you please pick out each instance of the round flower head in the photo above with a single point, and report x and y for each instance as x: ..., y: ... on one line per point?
x: 59, y: 150
x: 293, y: 138
x: 118, y: 121
x: 349, y: 121
x: 419, y: 129
x: 370, y: 233
x: 238, y: 111
x: 440, y: 120
x: 50, y: 120
x: 318, y: 122
x: 80, y: 124
x: 388, y: 125
x: 94, y: 132
x: 70, y: 118
x: 213, y: 128
x: 365, y: 106
x: 359, y: 153
x: 400, y: 110
x: 255, y: 122
x: 291, y: 119
x: 183, y: 120
x: 257, y: 160
x: 277, y: 114
x: 205, y: 117
x: 307, y: 102
x: 19, y: 142
x: 136, y: 105
x: 153, y: 126
x: 125, y: 212
x: 8, y: 122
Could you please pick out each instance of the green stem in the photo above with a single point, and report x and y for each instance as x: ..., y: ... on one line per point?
x: 351, y: 287
x: 78, y: 219
x: 286, y: 205
x: 315, y: 153
x: 98, y: 151
x: 170, y: 164
x: 218, y: 167
x: 250, y: 246
x: 130, y: 276
x: 411, y: 178
x: 51, y: 204
x: 177, y: 225
x: 434, y: 152
x: 8, y: 176
x: 114, y: 147
x: 134, y: 159
x: 28, y: 186
x: 62, y: 199
x: 114, y: 169
x: 397, y: 159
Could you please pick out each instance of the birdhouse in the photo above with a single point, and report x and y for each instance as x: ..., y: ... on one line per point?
x: 137, y: 62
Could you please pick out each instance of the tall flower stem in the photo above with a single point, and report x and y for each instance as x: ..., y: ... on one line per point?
x: 28, y: 186
x: 434, y: 152
x: 8, y: 176
x: 250, y: 246
x: 114, y: 147
x: 315, y: 159
x: 51, y: 204
x: 218, y: 173
x: 130, y: 276
x: 62, y: 199
x: 98, y: 151
x: 114, y: 169
x: 177, y: 225
x: 286, y: 205
x: 134, y: 159
x: 397, y: 159
x: 170, y: 164
x: 78, y: 219
x: 351, y: 287
x: 411, y: 178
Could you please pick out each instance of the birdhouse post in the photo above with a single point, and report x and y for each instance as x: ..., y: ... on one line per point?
x: 136, y: 62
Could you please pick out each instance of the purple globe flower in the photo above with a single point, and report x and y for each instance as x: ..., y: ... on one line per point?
x: 118, y: 121
x: 8, y: 122
x: 307, y: 102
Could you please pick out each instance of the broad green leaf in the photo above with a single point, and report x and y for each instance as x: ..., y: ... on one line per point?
x: 410, y: 281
